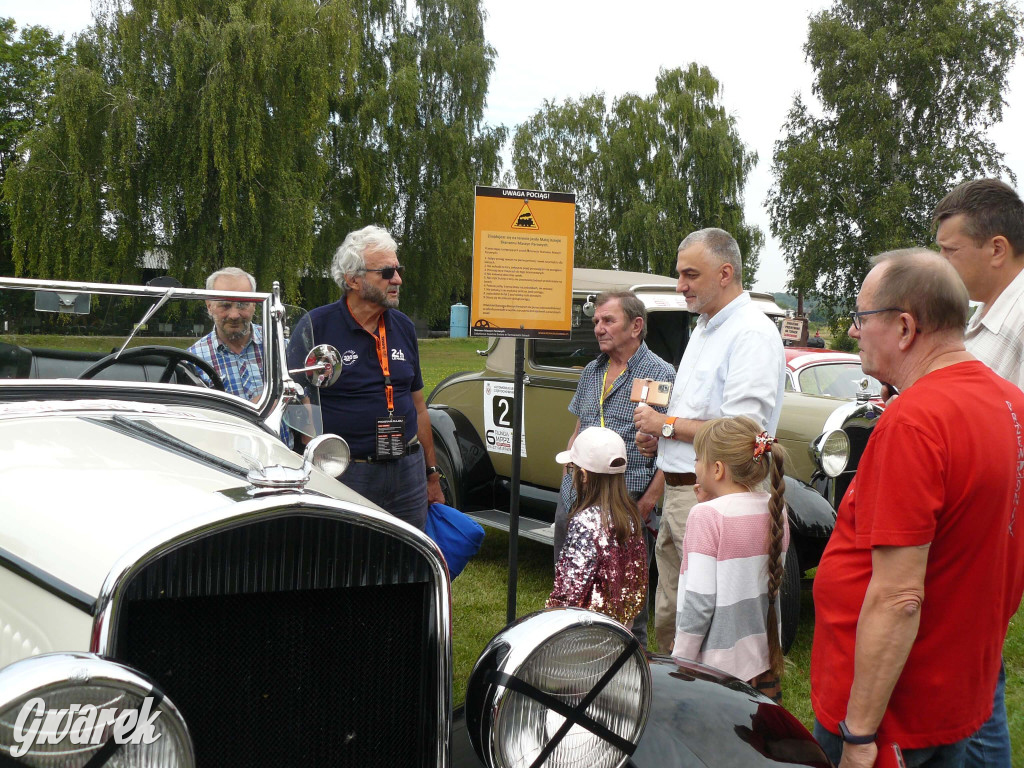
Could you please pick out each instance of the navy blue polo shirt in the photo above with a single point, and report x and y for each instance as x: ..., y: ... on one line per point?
x: 353, y: 404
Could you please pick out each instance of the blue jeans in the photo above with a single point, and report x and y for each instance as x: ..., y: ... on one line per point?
x: 398, y: 487
x: 990, y: 746
x: 944, y: 756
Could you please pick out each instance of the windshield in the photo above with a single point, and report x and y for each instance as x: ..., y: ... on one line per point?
x: 137, y: 335
x: 842, y: 380
x: 666, y: 336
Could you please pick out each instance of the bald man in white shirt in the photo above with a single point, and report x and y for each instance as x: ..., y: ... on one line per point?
x: 734, y: 365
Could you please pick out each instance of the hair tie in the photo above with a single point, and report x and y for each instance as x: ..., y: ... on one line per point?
x: 763, y: 445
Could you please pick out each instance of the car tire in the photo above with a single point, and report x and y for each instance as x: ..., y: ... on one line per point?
x: 449, y: 483
x: 789, y: 599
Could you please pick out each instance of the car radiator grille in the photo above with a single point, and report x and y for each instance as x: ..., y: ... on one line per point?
x: 297, y: 641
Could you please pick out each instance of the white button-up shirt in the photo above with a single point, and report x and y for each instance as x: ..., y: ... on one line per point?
x: 734, y: 365
x: 997, y: 339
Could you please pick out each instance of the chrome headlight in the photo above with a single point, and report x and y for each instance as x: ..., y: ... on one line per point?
x: 62, y: 709
x: 328, y: 453
x: 564, y: 687
x: 832, y: 452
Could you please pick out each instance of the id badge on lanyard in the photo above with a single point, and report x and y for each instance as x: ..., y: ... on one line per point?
x: 390, y: 429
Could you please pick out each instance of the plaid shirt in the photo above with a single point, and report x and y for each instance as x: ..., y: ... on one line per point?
x: 618, y: 412
x: 242, y: 374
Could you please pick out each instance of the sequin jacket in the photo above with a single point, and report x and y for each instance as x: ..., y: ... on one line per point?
x: 594, y: 571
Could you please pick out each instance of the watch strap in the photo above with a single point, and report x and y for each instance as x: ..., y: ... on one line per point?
x: 433, y: 470
x: 850, y: 738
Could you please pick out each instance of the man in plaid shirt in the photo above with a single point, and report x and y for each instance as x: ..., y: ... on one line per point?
x: 602, y: 400
x: 235, y: 346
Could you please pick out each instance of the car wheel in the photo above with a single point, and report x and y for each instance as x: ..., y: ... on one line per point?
x: 449, y: 483
x: 789, y: 599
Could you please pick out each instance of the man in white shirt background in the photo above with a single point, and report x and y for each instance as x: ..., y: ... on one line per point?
x: 733, y: 365
x: 980, y: 231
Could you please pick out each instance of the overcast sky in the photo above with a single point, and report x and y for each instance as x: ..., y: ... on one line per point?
x: 569, y: 48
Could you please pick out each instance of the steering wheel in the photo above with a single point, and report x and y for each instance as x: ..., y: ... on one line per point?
x: 173, y: 355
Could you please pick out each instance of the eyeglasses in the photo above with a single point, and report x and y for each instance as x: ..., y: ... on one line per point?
x: 856, y: 316
x: 227, y: 306
x: 388, y: 272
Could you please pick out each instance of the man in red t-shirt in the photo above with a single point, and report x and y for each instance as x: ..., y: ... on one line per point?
x: 926, y: 564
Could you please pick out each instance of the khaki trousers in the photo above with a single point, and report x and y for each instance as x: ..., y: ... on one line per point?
x: 668, y: 553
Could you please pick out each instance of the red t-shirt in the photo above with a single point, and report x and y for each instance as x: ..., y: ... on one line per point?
x: 945, y: 466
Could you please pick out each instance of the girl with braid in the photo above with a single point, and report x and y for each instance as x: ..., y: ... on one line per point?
x: 734, y: 550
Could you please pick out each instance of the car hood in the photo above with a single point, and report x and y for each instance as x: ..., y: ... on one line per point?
x: 82, y: 483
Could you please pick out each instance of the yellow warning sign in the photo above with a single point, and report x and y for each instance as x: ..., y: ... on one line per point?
x: 525, y: 218
x: 522, y: 272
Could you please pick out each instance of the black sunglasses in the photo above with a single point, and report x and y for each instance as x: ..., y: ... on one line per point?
x: 388, y: 272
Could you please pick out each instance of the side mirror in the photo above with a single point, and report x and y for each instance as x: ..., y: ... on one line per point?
x: 589, y: 307
x: 323, y: 366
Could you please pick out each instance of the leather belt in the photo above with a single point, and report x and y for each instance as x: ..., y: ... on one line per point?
x: 680, y: 478
x: 410, y: 449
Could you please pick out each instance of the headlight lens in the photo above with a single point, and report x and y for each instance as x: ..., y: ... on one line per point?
x: 60, y: 710
x: 570, y: 683
x: 832, y: 451
x: 329, y: 453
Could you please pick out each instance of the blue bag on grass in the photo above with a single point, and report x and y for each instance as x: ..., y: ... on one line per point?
x: 456, y: 534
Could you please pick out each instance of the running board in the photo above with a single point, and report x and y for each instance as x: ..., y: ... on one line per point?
x: 528, y: 528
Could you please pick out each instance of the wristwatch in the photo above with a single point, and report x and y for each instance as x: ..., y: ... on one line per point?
x: 850, y: 738
x: 433, y: 470
x: 668, y: 429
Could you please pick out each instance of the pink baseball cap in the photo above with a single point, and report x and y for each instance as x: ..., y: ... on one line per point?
x: 597, y: 449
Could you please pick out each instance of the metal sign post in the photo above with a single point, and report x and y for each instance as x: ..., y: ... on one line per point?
x: 517, y: 461
x: 522, y: 287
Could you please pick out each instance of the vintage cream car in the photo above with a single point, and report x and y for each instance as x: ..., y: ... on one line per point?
x: 179, y: 588
x: 471, y: 415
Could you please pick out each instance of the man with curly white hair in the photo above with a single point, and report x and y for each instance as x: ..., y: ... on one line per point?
x: 377, y: 404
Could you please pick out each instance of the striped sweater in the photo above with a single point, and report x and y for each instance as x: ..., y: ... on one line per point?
x: 721, y: 616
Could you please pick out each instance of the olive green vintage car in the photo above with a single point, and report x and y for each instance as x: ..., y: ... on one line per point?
x: 471, y: 416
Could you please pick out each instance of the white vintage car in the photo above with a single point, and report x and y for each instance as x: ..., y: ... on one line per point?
x: 178, y: 587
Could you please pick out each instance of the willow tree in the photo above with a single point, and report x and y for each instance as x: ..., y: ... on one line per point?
x: 908, y: 91
x: 407, y: 144
x: 676, y: 163
x: 560, y: 148
x: 28, y: 61
x: 189, y: 129
x: 650, y: 170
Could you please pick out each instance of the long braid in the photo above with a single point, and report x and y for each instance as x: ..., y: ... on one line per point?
x: 776, y: 532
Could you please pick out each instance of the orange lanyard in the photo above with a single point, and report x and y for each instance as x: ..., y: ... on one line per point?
x: 381, y: 339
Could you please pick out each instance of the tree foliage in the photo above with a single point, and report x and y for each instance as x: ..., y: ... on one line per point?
x: 257, y: 134
x: 646, y: 172
x: 28, y: 62
x: 908, y: 90
x: 407, y: 145
x: 561, y: 148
